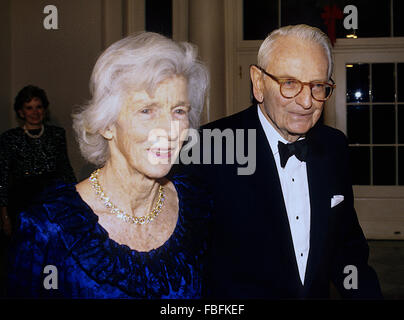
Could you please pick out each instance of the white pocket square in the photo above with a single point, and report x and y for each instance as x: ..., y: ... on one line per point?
x: 336, y: 199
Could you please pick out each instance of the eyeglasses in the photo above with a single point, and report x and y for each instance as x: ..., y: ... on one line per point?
x: 290, y: 88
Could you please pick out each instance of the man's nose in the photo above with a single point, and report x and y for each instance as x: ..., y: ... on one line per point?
x: 304, y: 98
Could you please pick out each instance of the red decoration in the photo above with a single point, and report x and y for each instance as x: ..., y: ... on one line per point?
x: 330, y: 16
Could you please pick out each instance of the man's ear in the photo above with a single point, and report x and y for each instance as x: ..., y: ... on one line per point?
x: 258, y: 83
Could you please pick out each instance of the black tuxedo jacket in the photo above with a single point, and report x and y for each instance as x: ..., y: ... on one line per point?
x: 251, y: 252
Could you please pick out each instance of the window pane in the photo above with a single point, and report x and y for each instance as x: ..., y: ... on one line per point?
x: 307, y: 12
x: 383, y: 84
x: 384, y: 124
x: 400, y: 109
x: 259, y: 18
x: 358, y: 124
x: 400, y: 82
x: 357, y: 78
x: 384, y: 166
x: 159, y: 17
x: 373, y: 20
x: 360, y: 165
x: 398, y: 6
x: 401, y: 166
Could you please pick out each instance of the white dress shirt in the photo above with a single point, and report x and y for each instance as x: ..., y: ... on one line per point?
x: 295, y: 191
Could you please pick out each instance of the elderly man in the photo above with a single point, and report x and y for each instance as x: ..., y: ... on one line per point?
x: 289, y: 229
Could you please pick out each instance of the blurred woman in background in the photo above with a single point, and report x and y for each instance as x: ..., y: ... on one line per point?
x: 32, y: 156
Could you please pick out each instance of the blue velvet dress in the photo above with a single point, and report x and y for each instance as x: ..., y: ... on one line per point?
x: 61, y: 230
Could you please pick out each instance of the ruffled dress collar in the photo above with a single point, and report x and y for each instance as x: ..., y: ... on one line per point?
x: 153, y: 274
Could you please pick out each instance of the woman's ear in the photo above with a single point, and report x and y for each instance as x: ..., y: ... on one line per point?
x: 257, y: 82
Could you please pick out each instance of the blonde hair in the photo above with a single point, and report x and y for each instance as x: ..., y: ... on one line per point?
x: 300, y: 31
x: 138, y: 62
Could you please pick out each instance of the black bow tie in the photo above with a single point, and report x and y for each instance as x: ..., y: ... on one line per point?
x: 297, y: 148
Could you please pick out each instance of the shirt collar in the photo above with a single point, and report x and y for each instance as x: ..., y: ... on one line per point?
x: 273, y: 136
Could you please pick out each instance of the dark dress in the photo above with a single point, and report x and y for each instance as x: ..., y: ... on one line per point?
x: 61, y: 230
x: 28, y: 165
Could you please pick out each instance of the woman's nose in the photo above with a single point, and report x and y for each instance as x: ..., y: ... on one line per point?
x: 170, y: 127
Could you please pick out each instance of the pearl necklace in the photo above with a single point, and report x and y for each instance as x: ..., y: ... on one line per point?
x: 120, y: 213
x: 34, y: 136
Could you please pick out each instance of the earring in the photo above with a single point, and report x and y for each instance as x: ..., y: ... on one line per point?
x: 108, y: 134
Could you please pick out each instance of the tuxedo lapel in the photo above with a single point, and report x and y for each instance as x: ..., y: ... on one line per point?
x: 319, y: 190
x: 268, y: 190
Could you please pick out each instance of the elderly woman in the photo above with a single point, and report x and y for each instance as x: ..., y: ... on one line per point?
x: 126, y: 232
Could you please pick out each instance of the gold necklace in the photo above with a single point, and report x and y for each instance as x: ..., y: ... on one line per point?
x: 120, y: 213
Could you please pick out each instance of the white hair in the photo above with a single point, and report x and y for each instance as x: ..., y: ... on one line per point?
x: 138, y: 62
x: 300, y: 31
